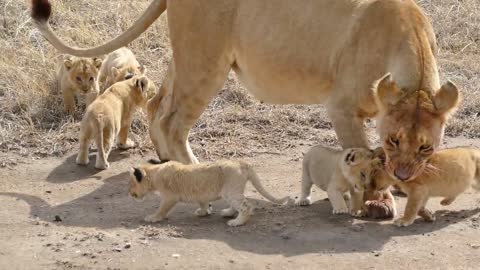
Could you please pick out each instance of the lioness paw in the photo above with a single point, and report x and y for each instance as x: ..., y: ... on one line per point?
x: 340, y: 211
x: 153, y: 218
x: 81, y: 161
x: 402, y: 222
x: 304, y: 202
x: 380, y: 209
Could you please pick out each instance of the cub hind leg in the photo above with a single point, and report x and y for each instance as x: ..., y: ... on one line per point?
x: 305, y: 198
x: 82, y: 157
x: 204, y: 210
x: 104, y: 142
x: 244, y: 208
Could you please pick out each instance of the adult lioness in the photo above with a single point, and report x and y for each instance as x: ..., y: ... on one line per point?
x: 316, y: 51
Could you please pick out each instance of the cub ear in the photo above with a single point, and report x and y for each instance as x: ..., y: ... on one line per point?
x: 115, y: 71
x: 351, y: 158
x: 143, y: 69
x: 386, y: 92
x: 97, y: 62
x: 137, y: 173
x: 141, y: 83
x: 447, y: 98
x: 68, y: 63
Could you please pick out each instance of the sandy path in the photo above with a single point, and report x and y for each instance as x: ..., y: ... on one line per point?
x: 102, y: 228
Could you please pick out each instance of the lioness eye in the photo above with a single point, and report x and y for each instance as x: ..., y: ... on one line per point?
x: 394, y: 141
x: 79, y: 79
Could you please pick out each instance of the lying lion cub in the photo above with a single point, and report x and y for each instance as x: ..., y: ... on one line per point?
x: 110, y: 116
x: 449, y: 173
x: 77, y: 75
x: 118, y: 66
x: 337, y: 172
x: 198, y: 183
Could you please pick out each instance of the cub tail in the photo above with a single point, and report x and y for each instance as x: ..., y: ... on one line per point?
x: 255, y: 180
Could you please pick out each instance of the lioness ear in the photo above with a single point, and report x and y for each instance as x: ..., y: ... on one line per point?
x: 143, y: 69
x: 387, y: 92
x: 115, y: 71
x: 447, y: 98
x: 68, y: 63
x: 141, y: 84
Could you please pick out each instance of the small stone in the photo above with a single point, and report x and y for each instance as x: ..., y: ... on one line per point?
x: 357, y: 227
x: 57, y: 218
x: 475, y: 246
x: 285, y: 236
x: 127, y: 246
x: 48, y: 191
x: 117, y: 249
x: 231, y: 261
x: 176, y: 255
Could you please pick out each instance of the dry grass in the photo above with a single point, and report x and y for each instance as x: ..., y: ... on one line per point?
x: 32, y: 121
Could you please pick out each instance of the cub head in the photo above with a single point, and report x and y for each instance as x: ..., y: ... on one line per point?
x: 357, y: 165
x: 139, y: 183
x: 411, y: 124
x: 380, y: 180
x: 125, y: 73
x: 83, y: 72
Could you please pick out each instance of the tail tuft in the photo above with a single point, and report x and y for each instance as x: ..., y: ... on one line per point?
x: 41, y: 10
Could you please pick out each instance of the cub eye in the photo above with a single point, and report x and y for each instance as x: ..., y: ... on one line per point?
x: 393, y: 141
x: 425, y: 148
x: 79, y: 79
x: 91, y: 79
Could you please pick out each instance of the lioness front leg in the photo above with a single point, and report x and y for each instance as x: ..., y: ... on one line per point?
x: 336, y: 199
x: 162, y: 212
x: 356, y: 204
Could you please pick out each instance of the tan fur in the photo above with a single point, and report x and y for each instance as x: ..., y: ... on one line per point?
x: 118, y: 66
x: 337, y: 172
x: 200, y: 183
x: 110, y: 117
x: 78, y: 76
x: 331, y: 52
x: 448, y: 173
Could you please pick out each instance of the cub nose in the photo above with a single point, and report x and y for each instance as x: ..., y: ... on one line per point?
x: 402, y: 174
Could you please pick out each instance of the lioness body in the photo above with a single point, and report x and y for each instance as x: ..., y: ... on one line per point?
x: 109, y: 117
x: 337, y: 172
x: 78, y: 76
x: 199, y: 183
x: 450, y: 172
x: 118, y: 66
x: 319, y: 51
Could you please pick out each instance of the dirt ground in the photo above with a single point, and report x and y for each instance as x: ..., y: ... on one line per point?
x: 57, y: 215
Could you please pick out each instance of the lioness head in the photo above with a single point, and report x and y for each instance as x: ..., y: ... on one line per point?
x: 138, y: 186
x: 411, y: 125
x: 358, y: 164
x: 83, y: 72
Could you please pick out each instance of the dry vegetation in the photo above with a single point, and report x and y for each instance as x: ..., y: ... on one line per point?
x: 235, y: 124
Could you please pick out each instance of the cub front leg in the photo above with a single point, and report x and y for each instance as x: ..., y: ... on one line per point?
x: 162, y: 212
x: 356, y: 204
x: 336, y: 199
x: 204, y: 210
x: 416, y: 201
x: 68, y: 100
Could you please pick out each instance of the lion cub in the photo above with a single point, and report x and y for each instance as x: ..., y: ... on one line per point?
x: 198, y: 183
x: 338, y: 172
x: 77, y: 75
x: 110, y: 116
x: 449, y: 173
x: 118, y: 66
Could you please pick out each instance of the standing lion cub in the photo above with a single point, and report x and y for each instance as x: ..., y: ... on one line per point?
x: 118, y: 66
x: 110, y: 116
x: 448, y: 173
x: 338, y: 172
x: 198, y: 183
x: 78, y: 75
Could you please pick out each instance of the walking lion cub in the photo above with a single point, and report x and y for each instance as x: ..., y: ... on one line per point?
x: 198, y: 183
x: 109, y: 117
x: 448, y: 173
x: 338, y: 172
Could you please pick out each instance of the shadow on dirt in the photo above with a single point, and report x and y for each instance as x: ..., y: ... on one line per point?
x: 69, y: 171
x: 285, y: 230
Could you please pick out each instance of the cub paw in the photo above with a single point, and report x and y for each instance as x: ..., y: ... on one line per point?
x: 304, y: 202
x: 102, y: 165
x: 153, y: 218
x: 340, y: 211
x: 228, y: 212
x: 129, y: 144
x: 446, y: 201
x: 203, y: 212
x: 358, y: 213
x: 235, y: 223
x: 402, y: 222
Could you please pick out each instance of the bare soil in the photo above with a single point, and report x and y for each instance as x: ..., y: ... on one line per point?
x: 57, y: 215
